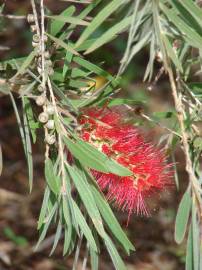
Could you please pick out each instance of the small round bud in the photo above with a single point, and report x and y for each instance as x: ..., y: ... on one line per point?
x: 39, y: 50
x: 49, y: 63
x: 39, y: 62
x: 159, y: 56
x: 39, y: 70
x: 41, y: 88
x: 50, y: 109
x: 50, y: 71
x: 35, y: 44
x: 36, y: 38
x: 47, y: 54
x: 43, y: 117
x: 50, y: 124
x: 30, y: 18
x: 40, y: 100
x: 33, y: 28
x: 45, y: 38
x: 50, y: 139
x: 12, y: 85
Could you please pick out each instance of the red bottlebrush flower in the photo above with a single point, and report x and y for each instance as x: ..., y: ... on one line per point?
x: 105, y: 129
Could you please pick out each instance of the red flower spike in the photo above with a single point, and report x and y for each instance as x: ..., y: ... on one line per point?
x: 105, y: 129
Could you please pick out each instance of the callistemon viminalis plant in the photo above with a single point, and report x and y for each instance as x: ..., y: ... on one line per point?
x: 106, y: 130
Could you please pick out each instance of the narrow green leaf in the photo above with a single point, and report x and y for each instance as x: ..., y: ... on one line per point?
x: 82, y: 15
x: 68, y: 19
x: 99, y: 19
x: 67, y: 239
x: 68, y: 60
x: 93, y: 68
x: 189, y: 253
x: 44, y: 208
x: 84, y: 227
x: 63, y: 97
x: 57, y: 237
x: 28, y: 144
x: 111, y: 164
x: 196, y: 237
x: 89, y: 157
x: 120, y: 101
x: 172, y: 54
x: 116, y: 168
x: 62, y: 44
x: 14, y: 63
x: 139, y: 45
x: 87, y: 199
x: 110, y: 34
x: 25, y: 140
x: 26, y: 63
x: 186, y: 15
x: 94, y: 259
x: 182, y: 217
x: 111, y: 221
x: 117, y: 261
x: 66, y: 208
x: 47, y: 224
x: 189, y: 33
x: 193, y: 9
x: 51, y: 178
x: 56, y: 26
x: 30, y: 117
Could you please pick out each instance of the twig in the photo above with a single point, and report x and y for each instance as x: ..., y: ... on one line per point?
x: 42, y: 44
x: 78, y: 1
x: 15, y: 17
x: 35, y: 16
x: 60, y: 143
x: 160, y: 125
x: 179, y: 109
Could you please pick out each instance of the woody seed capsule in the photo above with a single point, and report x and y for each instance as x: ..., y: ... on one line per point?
x: 30, y: 18
x: 36, y: 38
x: 50, y: 124
x: 33, y: 28
x: 39, y: 70
x: 40, y: 100
x: 50, y: 71
x: 47, y: 54
x: 43, y: 117
x: 50, y: 109
x: 45, y: 38
x: 35, y: 44
x: 41, y: 88
x: 50, y: 139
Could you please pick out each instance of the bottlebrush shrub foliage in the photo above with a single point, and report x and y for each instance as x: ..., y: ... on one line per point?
x: 105, y: 129
x: 58, y: 78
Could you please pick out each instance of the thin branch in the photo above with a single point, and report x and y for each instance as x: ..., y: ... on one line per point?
x: 35, y: 16
x: 160, y: 125
x: 180, y: 111
x: 14, y: 17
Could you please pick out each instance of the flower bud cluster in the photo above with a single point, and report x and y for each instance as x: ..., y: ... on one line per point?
x: 46, y: 117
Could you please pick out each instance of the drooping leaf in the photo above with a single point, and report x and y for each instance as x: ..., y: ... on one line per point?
x: 99, y: 19
x: 111, y: 221
x: 56, y: 26
x: 84, y: 227
x: 51, y: 178
x: 182, y: 217
x: 109, y: 34
x: 88, y: 200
